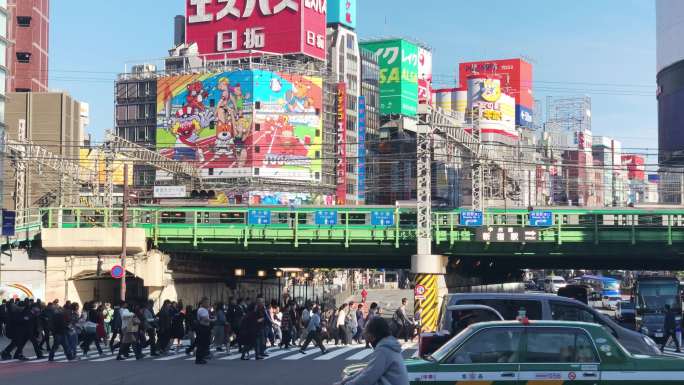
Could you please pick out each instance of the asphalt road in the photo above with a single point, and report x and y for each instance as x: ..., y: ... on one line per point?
x: 281, y: 367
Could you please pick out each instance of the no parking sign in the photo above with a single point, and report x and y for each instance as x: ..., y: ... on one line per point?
x: 117, y: 271
x: 419, y: 292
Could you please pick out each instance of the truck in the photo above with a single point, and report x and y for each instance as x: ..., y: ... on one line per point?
x: 651, y: 294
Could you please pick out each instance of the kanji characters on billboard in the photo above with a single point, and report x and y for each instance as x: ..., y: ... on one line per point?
x: 234, y: 27
x: 242, y: 123
x: 398, y: 61
x: 341, y: 161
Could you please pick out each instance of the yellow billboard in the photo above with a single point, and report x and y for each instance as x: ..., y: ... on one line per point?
x: 92, y: 160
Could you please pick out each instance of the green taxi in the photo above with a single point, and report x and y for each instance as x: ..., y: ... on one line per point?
x: 543, y: 353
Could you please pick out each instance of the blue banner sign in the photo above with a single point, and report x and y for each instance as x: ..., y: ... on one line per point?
x: 259, y: 217
x: 8, y: 221
x: 541, y: 218
x: 326, y: 217
x: 471, y: 218
x: 382, y: 218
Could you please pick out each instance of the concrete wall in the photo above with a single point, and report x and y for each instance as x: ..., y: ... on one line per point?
x: 92, y: 241
x: 22, y: 271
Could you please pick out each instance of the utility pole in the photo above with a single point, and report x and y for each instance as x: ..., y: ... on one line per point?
x: 124, y: 222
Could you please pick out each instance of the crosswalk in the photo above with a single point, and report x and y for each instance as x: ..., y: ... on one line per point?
x: 341, y: 352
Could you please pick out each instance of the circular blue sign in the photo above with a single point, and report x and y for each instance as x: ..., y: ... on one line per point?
x: 117, y: 271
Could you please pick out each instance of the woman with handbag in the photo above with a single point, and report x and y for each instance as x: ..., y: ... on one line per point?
x: 90, y: 329
x: 131, y: 334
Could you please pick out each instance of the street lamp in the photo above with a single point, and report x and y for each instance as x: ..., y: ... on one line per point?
x: 293, y: 277
x: 262, y: 275
x: 279, y: 274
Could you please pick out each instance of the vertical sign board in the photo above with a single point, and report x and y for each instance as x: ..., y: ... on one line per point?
x: 233, y: 28
x: 342, y: 12
x: 326, y: 217
x: 382, y: 218
x: 361, y: 157
x: 424, y: 76
x: 398, y: 62
x: 259, y: 217
x: 541, y: 218
x: 471, y: 218
x: 8, y: 222
x: 341, y: 143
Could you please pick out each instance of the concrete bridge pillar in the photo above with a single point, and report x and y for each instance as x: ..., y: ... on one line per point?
x: 430, y: 287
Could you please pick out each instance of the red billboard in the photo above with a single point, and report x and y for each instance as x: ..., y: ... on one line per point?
x: 341, y: 143
x: 516, y: 77
x: 636, y: 170
x: 233, y: 28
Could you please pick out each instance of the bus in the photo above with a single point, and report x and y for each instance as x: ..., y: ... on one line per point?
x: 608, y: 287
x: 652, y: 295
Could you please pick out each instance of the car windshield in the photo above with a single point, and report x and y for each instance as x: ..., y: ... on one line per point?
x: 558, y: 280
x: 611, y: 285
x: 627, y: 306
x: 442, y: 352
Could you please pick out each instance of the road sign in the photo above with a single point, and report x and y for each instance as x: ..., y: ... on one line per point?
x: 419, y: 292
x: 117, y: 271
x: 541, y: 218
x: 496, y: 234
x: 326, y: 217
x: 471, y: 218
x: 259, y: 217
x: 382, y: 218
x: 8, y: 221
x: 169, y: 192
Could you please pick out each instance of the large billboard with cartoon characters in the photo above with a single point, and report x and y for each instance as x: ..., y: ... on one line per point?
x: 242, y: 124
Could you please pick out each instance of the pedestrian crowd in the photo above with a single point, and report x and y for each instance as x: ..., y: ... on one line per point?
x: 125, y: 328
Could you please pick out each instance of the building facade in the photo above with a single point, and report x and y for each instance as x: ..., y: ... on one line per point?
x: 370, y: 91
x: 344, y: 63
x: 53, y: 121
x: 29, y: 29
x: 136, y: 114
x: 4, y: 68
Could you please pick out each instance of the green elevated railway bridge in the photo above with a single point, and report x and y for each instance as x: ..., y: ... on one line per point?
x: 385, y: 236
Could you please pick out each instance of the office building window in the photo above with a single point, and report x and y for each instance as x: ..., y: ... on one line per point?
x: 24, y: 21
x: 24, y: 57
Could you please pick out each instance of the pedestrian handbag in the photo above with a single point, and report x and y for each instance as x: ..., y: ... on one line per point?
x: 90, y: 327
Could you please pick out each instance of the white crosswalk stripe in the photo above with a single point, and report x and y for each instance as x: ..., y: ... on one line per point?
x: 336, y: 353
x: 360, y: 355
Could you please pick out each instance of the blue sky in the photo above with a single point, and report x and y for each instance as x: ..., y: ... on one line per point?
x: 601, y: 48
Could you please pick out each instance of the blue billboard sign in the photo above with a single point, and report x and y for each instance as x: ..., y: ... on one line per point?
x: 362, y: 150
x: 471, y: 218
x: 326, y: 217
x: 541, y: 218
x: 259, y: 217
x: 342, y: 12
x: 8, y: 222
x: 524, y: 117
x: 382, y: 218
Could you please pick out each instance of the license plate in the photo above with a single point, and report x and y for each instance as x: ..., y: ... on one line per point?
x: 659, y: 335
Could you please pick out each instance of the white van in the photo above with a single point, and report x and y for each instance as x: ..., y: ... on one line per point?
x: 552, y: 283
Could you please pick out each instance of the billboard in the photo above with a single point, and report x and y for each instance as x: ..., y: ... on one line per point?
x: 496, y: 109
x: 242, y: 124
x: 362, y: 150
x: 424, y: 76
x: 94, y: 160
x: 287, y: 136
x: 342, y: 12
x: 516, y: 81
x: 398, y: 62
x: 233, y: 27
x: 341, y: 166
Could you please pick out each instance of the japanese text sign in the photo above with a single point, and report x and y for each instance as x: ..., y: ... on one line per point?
x: 233, y: 27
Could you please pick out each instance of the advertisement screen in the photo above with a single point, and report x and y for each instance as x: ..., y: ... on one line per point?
x: 235, y: 27
x: 241, y: 124
x: 92, y: 160
x: 515, y: 74
x: 287, y: 136
x: 342, y: 12
x: 424, y: 75
x: 398, y: 62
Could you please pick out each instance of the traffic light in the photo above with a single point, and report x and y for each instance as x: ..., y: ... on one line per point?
x: 203, y: 194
